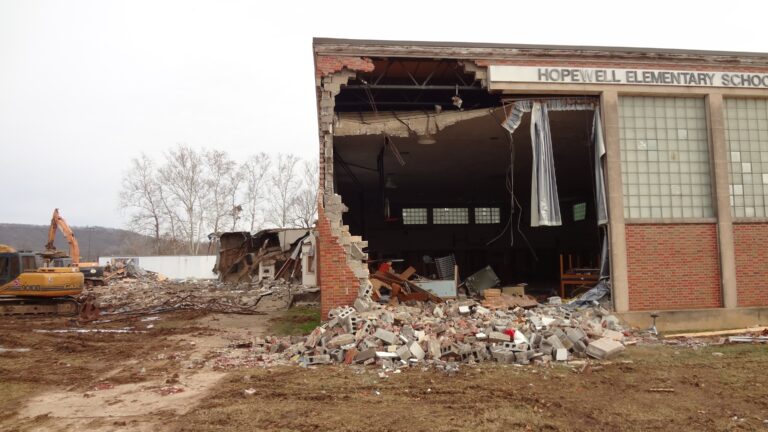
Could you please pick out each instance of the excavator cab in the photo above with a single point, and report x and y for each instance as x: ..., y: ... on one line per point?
x: 12, y: 264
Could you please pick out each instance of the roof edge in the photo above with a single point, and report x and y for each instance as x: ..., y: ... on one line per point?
x: 370, y: 43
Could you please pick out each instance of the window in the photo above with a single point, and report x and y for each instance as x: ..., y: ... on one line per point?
x: 414, y: 216
x: 28, y: 263
x: 487, y: 215
x: 664, y: 157
x: 445, y: 216
x: 579, y: 212
x: 746, y: 136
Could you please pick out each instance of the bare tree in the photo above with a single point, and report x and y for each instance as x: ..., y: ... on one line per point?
x: 141, y: 193
x: 220, y: 189
x: 284, y: 185
x: 305, y: 201
x: 255, y: 170
x: 183, y: 176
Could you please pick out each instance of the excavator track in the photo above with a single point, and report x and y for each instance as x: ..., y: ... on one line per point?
x: 20, y: 306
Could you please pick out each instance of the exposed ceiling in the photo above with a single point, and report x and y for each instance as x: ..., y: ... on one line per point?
x: 469, y: 160
x: 409, y: 84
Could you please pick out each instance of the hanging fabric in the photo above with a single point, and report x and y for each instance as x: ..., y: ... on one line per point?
x: 545, y: 206
x: 600, y: 197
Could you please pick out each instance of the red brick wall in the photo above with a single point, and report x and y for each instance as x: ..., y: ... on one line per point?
x: 751, y: 247
x: 673, y: 266
x: 338, y: 284
x: 326, y: 65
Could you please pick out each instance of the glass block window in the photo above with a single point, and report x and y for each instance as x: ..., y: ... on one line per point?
x: 414, y: 216
x: 487, y: 215
x: 444, y: 216
x: 664, y: 157
x: 579, y: 212
x: 746, y: 135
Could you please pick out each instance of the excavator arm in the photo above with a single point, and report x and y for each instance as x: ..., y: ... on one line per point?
x: 58, y: 222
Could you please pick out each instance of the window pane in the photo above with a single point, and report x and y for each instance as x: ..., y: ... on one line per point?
x: 444, y: 216
x: 665, y: 149
x: 414, y: 216
x: 746, y: 136
x: 487, y: 215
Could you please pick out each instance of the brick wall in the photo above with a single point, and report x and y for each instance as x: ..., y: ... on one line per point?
x: 673, y: 266
x: 326, y: 65
x: 751, y: 247
x: 338, y: 284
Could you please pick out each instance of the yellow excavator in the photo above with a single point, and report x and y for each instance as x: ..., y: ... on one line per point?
x: 92, y: 271
x: 28, y: 288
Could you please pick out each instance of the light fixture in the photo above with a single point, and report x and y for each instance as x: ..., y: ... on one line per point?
x: 427, y: 138
x: 390, y: 183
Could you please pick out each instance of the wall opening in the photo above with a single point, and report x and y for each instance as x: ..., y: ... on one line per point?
x: 425, y: 184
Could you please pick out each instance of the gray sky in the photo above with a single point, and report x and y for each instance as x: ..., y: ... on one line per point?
x: 87, y: 85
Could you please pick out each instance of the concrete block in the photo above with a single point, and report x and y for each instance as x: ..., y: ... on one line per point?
x: 386, y: 355
x: 365, y: 355
x: 579, y: 347
x: 416, y: 350
x: 561, y: 354
x: 433, y: 346
x: 554, y: 342
x: 404, y: 352
x: 575, y: 334
x: 604, y: 348
x: 342, y: 339
x: 317, y: 359
x: 498, y: 337
x: 385, y: 335
x: 503, y: 356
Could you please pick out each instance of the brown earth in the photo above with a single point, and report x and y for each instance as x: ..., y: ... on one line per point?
x: 158, y: 381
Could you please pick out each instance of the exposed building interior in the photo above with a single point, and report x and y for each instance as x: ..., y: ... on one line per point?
x: 426, y: 169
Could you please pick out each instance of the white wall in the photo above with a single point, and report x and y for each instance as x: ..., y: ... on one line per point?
x: 175, y: 266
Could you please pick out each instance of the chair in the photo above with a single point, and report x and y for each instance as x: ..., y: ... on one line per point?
x: 577, y: 275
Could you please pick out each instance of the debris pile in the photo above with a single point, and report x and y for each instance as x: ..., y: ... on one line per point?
x: 444, y: 335
x: 149, y: 295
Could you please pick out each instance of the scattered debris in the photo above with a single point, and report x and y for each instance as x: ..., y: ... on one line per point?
x: 440, y: 334
x: 149, y: 297
x: 661, y: 390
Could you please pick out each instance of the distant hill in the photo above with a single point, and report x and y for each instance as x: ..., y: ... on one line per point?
x: 93, y: 241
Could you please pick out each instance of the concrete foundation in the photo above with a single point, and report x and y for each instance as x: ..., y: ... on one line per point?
x: 698, y: 319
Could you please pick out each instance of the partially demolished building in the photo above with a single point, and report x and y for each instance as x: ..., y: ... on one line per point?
x: 555, y: 166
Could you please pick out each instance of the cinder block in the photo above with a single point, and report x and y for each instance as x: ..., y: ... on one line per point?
x: 498, y: 337
x: 561, y: 354
x: 416, y: 350
x: 365, y: 355
x: 554, y: 342
x: 604, y: 348
x: 340, y: 340
x: 385, y: 335
x: 404, y: 352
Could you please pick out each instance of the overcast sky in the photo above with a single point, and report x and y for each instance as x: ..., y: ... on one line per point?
x: 87, y: 85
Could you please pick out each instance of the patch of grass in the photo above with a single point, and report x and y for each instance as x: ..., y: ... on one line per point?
x: 295, y: 321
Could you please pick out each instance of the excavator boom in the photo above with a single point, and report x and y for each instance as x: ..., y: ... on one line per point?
x: 58, y: 222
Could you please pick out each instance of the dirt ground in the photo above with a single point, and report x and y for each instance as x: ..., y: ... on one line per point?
x: 164, y: 379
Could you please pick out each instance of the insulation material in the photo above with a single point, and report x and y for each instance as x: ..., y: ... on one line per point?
x: 600, y: 200
x: 545, y: 206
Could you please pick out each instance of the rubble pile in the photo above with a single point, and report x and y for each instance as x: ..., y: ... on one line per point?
x: 149, y: 294
x: 444, y: 335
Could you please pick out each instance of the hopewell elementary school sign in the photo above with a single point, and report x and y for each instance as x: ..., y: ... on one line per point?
x: 565, y: 75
